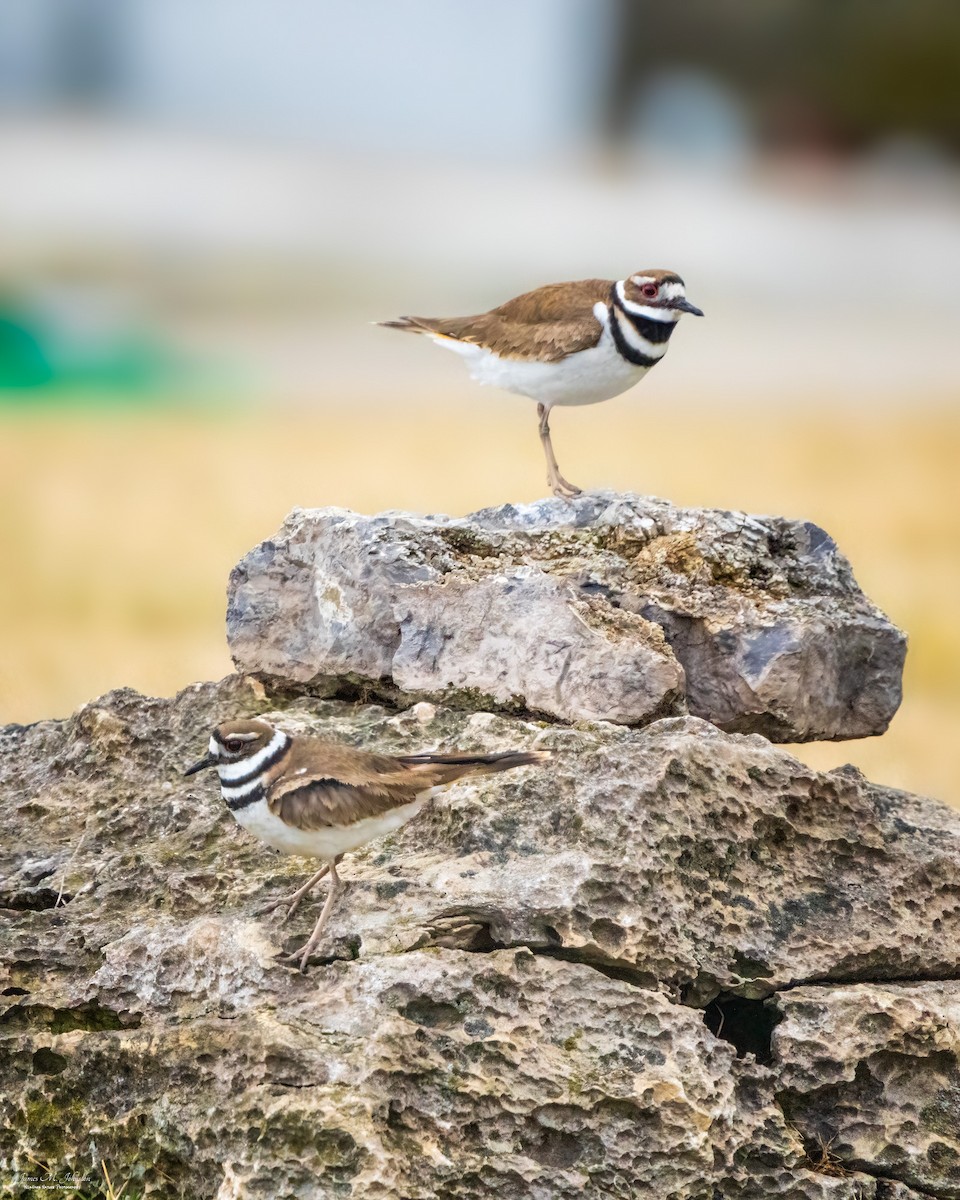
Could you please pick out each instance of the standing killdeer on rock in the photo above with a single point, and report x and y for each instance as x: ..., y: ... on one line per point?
x: 566, y: 343
x: 305, y: 796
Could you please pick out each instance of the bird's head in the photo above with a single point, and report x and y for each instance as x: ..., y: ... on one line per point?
x: 234, y: 741
x: 661, y: 292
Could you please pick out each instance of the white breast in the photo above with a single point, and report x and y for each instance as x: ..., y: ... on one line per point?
x: 328, y: 842
x: 587, y: 377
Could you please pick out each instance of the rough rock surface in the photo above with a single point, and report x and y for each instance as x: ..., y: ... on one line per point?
x: 564, y: 981
x: 872, y: 1073
x: 606, y: 607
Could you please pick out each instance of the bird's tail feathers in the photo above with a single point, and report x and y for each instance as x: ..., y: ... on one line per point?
x: 408, y: 324
x: 448, y: 767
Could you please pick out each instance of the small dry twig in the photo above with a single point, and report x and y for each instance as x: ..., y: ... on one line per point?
x: 70, y: 861
x: 828, y: 1163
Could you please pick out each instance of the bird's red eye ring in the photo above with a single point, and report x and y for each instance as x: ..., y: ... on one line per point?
x: 650, y: 290
x: 233, y: 745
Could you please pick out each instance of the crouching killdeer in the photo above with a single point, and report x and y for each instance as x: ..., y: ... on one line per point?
x: 566, y: 343
x: 305, y: 796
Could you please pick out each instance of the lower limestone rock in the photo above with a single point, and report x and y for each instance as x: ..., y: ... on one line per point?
x: 871, y: 1073
x: 438, y: 1073
x: 560, y: 982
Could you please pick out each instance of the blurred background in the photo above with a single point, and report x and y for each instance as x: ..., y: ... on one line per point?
x: 205, y: 203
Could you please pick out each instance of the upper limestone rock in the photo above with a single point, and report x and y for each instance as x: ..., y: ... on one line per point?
x: 610, y: 607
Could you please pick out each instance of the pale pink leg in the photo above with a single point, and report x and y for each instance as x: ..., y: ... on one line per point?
x: 556, y: 482
x: 305, y: 951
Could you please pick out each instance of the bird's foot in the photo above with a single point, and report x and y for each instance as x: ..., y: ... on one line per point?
x: 302, y: 953
x: 566, y: 491
x: 267, y: 909
x: 294, y: 898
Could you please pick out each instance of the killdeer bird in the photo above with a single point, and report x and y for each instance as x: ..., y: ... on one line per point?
x: 566, y: 343
x: 305, y: 796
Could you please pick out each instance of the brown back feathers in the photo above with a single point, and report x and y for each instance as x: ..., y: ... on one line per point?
x: 547, y: 324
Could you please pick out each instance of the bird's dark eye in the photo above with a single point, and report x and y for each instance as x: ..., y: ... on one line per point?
x: 234, y: 745
x: 650, y: 290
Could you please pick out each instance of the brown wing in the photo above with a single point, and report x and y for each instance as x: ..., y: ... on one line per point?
x: 324, y: 783
x: 315, y: 803
x: 353, y: 784
x: 549, y: 323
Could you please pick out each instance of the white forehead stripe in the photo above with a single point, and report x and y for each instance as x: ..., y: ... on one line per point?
x: 214, y: 747
x: 238, y: 770
x: 669, y: 290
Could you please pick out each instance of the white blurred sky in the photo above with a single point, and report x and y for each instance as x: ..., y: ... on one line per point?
x: 262, y: 178
x: 508, y: 78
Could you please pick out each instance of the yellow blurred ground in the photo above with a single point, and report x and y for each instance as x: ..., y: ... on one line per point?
x: 117, y: 532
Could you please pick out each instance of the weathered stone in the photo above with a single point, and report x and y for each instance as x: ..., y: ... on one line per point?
x: 562, y: 608
x: 691, y: 858
x: 438, y: 1073
x: 532, y: 642
x: 550, y: 984
x: 872, y: 1074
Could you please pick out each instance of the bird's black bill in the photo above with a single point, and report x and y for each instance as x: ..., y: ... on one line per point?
x: 685, y: 306
x: 202, y: 765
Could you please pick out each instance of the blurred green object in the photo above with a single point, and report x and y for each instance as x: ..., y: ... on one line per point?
x: 23, y: 363
x: 40, y: 366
